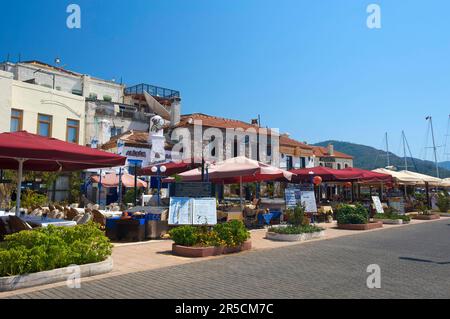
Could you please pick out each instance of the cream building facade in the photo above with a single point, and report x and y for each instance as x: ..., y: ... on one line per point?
x: 41, y: 110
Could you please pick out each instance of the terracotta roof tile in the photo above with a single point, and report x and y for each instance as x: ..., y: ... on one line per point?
x: 224, y: 123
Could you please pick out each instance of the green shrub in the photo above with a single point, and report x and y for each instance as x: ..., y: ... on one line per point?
x: 228, y: 234
x: 31, y: 199
x: 232, y: 233
x: 293, y: 229
x: 405, y: 218
x: 52, y: 247
x: 185, y: 235
x: 443, y: 202
x: 296, y: 216
x: 346, y: 214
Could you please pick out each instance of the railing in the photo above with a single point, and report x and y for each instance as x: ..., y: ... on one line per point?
x: 125, y: 111
x: 152, y: 90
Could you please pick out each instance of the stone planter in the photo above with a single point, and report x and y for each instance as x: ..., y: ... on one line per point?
x: 186, y: 251
x: 55, y: 275
x: 444, y: 214
x: 372, y: 225
x: 391, y: 221
x: 427, y: 217
x: 294, y: 237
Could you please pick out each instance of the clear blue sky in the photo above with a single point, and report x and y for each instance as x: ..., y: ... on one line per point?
x: 311, y: 68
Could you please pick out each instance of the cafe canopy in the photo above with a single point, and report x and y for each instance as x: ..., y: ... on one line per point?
x: 26, y: 151
x: 405, y: 177
x: 327, y: 174
x: 172, y: 167
x: 238, y: 170
x: 112, y: 180
x: 370, y: 176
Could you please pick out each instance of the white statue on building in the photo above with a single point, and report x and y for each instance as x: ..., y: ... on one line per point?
x: 156, y: 139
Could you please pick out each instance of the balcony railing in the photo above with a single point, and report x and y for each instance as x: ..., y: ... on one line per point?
x: 152, y: 90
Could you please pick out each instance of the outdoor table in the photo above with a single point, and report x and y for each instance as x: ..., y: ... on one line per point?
x: 37, y: 220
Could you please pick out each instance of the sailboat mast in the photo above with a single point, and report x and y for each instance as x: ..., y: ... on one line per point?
x: 404, y: 150
x: 387, y: 150
x: 434, y: 145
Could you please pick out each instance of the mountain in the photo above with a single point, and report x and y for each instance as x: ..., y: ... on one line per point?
x: 445, y: 165
x: 367, y: 157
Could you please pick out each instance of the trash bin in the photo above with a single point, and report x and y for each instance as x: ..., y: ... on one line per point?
x: 131, y: 229
x: 154, y: 229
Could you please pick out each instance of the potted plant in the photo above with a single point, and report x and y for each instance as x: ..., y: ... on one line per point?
x: 391, y: 216
x: 355, y: 218
x: 297, y: 228
x: 201, y: 241
x: 425, y: 213
x: 443, y: 203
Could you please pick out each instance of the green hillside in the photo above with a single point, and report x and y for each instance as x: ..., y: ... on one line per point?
x: 367, y: 157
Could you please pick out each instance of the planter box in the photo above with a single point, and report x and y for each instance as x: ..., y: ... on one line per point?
x: 53, y: 276
x: 186, y: 251
x: 294, y: 237
x: 427, y: 217
x: 368, y: 226
x: 391, y: 221
x: 444, y: 214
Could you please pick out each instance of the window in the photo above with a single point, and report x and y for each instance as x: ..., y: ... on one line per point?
x: 289, y: 162
x: 116, y: 131
x: 16, y: 120
x: 44, y: 125
x: 346, y: 165
x: 339, y: 166
x: 72, y: 131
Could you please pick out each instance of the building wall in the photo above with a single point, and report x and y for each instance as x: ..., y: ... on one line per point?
x: 34, y: 99
x: 99, y: 126
x: 334, y: 162
x: 6, y: 80
x: 66, y: 82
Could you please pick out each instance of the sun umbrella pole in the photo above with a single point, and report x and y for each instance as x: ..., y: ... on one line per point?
x: 240, y: 192
x: 19, y: 184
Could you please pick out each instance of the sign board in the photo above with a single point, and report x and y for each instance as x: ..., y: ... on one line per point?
x: 192, y: 211
x: 308, y: 200
x: 146, y: 200
x: 204, y: 211
x: 292, y: 196
x: 398, y: 204
x: 377, y: 203
x: 180, y: 211
x: 192, y: 190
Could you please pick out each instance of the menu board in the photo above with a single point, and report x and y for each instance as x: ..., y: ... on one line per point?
x: 308, y: 200
x: 192, y: 211
x: 292, y: 196
x: 377, y: 203
x: 398, y: 204
x: 180, y: 211
x: 192, y: 189
x: 204, y: 211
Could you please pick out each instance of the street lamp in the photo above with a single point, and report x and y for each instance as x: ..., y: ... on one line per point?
x: 158, y: 170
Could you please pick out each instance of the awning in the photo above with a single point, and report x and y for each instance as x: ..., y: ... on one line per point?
x: 327, y: 174
x: 112, y: 180
x: 26, y: 151
x: 238, y: 169
x: 410, y: 178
